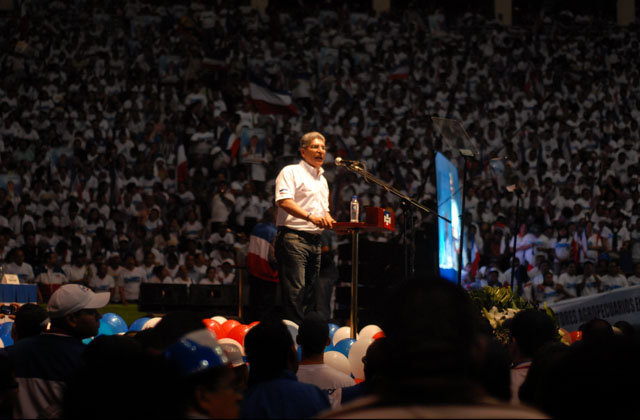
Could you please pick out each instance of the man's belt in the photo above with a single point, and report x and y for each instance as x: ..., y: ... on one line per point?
x: 308, y: 236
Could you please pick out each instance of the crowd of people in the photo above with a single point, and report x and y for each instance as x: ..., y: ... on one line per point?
x: 132, y: 148
x: 444, y: 364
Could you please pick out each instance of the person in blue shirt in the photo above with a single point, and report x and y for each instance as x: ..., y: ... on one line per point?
x: 273, y: 389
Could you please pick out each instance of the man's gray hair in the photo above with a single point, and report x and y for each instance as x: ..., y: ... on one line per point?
x: 306, y: 140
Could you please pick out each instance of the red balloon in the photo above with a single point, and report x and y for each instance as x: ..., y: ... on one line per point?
x: 576, y: 336
x: 253, y: 324
x: 377, y: 335
x: 228, y: 325
x: 214, y: 327
x: 238, y: 332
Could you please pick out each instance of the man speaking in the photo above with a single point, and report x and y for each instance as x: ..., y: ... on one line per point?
x: 302, y: 197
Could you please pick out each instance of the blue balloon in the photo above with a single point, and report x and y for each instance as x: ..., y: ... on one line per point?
x: 138, y: 324
x: 332, y: 330
x: 6, y: 339
x: 105, y: 329
x: 5, y: 327
x: 343, y: 346
x: 329, y: 348
x: 87, y: 340
x: 299, y: 353
x: 116, y: 322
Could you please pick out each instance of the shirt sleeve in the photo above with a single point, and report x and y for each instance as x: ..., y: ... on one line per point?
x: 285, y: 185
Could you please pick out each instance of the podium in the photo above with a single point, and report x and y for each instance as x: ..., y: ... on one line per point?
x: 376, y: 219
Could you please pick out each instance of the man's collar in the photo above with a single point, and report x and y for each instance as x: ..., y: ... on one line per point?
x: 312, y: 170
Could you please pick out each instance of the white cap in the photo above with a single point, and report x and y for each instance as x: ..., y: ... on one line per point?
x: 72, y: 298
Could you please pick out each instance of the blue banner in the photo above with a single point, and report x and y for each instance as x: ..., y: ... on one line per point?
x: 449, y: 205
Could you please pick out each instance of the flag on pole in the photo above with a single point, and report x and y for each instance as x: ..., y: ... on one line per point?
x: 182, y: 169
x: 233, y: 145
x: 271, y: 101
x: 475, y: 256
x: 399, y: 72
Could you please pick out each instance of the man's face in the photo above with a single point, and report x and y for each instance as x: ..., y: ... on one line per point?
x: 588, y: 269
x: 190, y: 262
x: 314, y: 153
x: 85, y: 323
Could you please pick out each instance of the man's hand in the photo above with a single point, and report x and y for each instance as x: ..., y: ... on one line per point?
x: 325, y: 222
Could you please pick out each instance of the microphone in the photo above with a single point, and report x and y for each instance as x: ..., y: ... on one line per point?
x: 345, y: 162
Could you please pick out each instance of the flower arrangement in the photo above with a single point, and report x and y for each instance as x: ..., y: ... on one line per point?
x: 498, y: 304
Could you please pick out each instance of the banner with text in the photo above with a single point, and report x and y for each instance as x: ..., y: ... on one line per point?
x: 617, y: 305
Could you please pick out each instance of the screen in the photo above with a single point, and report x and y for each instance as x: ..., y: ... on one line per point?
x: 449, y: 206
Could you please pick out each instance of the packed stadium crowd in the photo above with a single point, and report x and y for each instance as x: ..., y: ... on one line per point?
x: 134, y: 147
x: 140, y: 141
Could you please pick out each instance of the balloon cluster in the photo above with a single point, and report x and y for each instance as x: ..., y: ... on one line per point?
x: 111, y: 324
x: 343, y: 353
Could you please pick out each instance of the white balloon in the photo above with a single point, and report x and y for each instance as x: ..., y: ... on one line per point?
x: 293, y: 330
x: 233, y: 343
x: 369, y: 331
x: 151, y: 323
x: 357, y: 352
x: 1, y: 344
x: 219, y: 319
x: 341, y: 334
x: 338, y: 361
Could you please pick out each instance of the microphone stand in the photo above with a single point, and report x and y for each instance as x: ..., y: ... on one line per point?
x: 405, y: 200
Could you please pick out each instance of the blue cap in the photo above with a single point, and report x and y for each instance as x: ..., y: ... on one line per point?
x: 196, y: 352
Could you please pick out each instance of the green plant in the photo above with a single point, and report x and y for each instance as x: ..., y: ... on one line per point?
x: 498, y: 304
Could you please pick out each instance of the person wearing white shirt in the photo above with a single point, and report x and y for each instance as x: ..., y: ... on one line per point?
x: 210, y: 277
x: 569, y: 280
x: 589, y: 283
x: 222, y: 235
x: 19, y: 267
x: 160, y: 275
x: 77, y: 271
x: 192, y: 228
x: 548, y: 292
x: 182, y: 277
x: 544, y: 244
x: 524, y: 243
x: 131, y: 277
x: 149, y: 265
x: 634, y: 279
x: 302, y: 197
x: 226, y: 272
x: 222, y: 205
x: 313, y: 337
x: 614, y: 279
x: 52, y: 273
x: 102, y: 281
x: 114, y: 269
